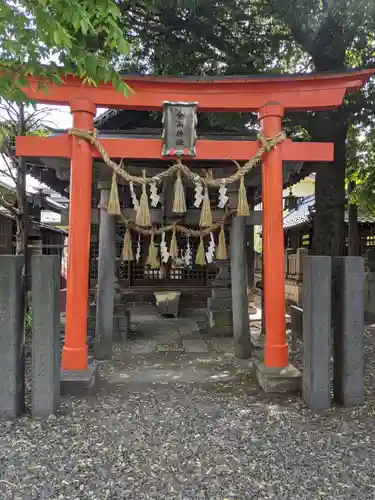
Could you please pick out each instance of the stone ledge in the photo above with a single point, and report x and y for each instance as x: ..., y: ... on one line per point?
x: 278, y: 380
x: 78, y: 383
x: 257, y: 340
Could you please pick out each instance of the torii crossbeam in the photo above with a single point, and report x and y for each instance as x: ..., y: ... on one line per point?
x: 269, y: 96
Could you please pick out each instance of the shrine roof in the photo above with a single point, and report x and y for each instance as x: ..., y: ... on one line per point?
x: 143, y: 122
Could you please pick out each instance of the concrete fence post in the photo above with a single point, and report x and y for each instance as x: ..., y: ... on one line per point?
x: 348, y: 325
x: 317, y: 336
x: 45, y: 335
x: 12, y: 357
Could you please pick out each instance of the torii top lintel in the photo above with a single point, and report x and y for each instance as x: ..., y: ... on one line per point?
x: 294, y: 92
x: 290, y: 92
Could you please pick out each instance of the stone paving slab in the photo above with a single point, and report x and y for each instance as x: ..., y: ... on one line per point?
x: 224, y: 344
x: 195, y: 346
x: 189, y: 327
x: 182, y: 370
x: 164, y: 337
x: 147, y: 319
x: 143, y: 347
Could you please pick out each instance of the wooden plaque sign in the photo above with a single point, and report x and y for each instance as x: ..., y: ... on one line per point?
x: 179, y: 128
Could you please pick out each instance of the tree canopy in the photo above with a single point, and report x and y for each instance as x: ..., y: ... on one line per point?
x: 246, y: 37
x: 209, y: 37
x: 51, y: 38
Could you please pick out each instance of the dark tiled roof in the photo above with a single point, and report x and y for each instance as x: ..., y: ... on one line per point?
x: 302, y: 214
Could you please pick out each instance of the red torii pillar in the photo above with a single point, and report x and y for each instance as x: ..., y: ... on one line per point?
x: 269, y: 96
x: 75, y: 354
x: 275, y: 347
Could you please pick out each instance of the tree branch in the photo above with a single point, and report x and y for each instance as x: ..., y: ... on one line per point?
x: 8, y: 206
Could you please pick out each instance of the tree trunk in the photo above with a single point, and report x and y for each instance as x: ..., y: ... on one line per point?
x: 329, y: 224
x: 353, y: 233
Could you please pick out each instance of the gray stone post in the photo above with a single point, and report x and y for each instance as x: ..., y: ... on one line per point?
x: 300, y: 258
x: 241, y: 331
x: 316, y: 332
x: 12, y: 359
x: 45, y: 335
x: 106, y: 281
x: 348, y: 311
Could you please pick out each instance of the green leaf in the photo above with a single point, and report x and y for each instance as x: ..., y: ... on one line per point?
x: 84, y: 26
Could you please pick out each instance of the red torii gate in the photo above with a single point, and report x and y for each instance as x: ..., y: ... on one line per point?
x: 269, y: 96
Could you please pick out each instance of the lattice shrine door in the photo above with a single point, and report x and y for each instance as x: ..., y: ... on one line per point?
x: 137, y: 274
x: 171, y: 275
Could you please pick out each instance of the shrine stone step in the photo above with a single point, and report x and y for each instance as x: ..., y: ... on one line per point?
x: 199, y: 368
x: 217, y: 304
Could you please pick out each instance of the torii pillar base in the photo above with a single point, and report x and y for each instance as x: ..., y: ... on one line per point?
x: 79, y: 383
x: 278, y: 380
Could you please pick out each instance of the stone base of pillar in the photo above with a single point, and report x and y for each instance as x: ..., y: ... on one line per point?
x: 103, y: 345
x: 278, y: 380
x: 121, y: 324
x: 219, y: 305
x: 79, y: 383
x: 220, y: 323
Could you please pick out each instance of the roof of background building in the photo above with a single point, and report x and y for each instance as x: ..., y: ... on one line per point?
x: 6, y: 213
x: 301, y: 215
x: 304, y: 212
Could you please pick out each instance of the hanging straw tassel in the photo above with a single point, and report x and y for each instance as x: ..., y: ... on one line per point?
x: 179, y: 203
x: 173, y: 248
x: 127, y: 251
x: 200, y: 258
x: 143, y: 218
x: 152, y: 258
x: 206, y: 214
x: 221, y: 252
x: 242, y: 205
x: 113, y: 207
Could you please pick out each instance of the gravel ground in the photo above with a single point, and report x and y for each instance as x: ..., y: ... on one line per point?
x: 181, y: 441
